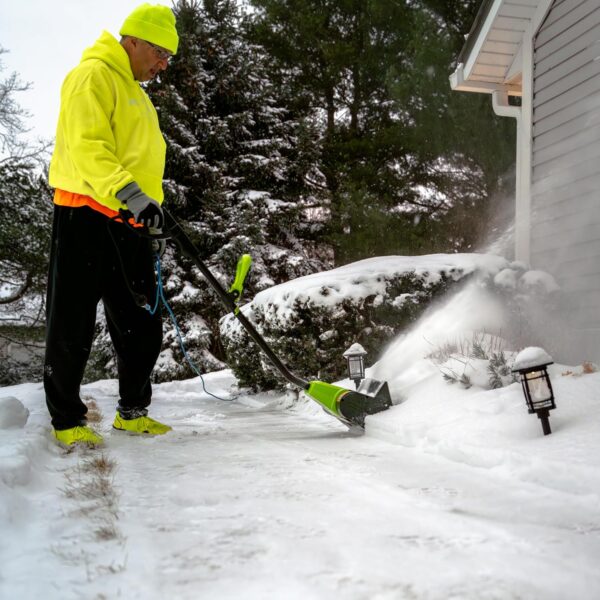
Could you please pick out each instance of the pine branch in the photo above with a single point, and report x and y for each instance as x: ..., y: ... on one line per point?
x: 21, y: 342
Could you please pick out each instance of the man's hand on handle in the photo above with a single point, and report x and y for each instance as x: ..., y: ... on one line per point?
x: 145, y: 210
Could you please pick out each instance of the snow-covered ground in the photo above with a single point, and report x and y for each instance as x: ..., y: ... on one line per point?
x: 453, y: 493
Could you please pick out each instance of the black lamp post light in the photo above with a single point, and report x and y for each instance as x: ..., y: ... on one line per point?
x: 531, y: 365
x: 371, y: 388
x: 355, y: 358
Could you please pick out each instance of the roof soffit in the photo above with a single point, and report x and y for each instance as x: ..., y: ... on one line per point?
x: 491, y: 57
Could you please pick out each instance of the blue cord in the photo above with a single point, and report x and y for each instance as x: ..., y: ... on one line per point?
x: 160, y: 295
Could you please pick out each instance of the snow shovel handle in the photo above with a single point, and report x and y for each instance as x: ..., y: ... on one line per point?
x: 186, y: 246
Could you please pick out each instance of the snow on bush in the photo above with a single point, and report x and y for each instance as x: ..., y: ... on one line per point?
x: 310, y: 321
x: 482, y: 361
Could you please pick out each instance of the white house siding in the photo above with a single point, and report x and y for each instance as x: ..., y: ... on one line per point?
x: 565, y: 233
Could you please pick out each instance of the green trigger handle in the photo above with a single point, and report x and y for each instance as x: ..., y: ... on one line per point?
x: 237, y: 287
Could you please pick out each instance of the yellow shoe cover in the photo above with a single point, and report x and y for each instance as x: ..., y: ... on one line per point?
x: 82, y: 434
x: 140, y: 425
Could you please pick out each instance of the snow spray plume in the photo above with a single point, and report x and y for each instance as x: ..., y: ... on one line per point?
x: 513, y: 304
x: 498, y: 237
x: 473, y: 308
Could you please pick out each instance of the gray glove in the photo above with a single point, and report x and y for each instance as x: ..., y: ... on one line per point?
x: 158, y: 246
x: 144, y: 209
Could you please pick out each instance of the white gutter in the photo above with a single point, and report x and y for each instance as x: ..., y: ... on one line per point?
x: 502, y: 108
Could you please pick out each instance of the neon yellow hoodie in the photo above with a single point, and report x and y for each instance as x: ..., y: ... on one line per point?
x: 108, y: 133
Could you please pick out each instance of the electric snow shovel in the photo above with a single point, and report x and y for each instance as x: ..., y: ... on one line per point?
x: 350, y: 407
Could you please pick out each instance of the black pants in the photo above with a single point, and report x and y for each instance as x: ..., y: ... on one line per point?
x: 84, y: 269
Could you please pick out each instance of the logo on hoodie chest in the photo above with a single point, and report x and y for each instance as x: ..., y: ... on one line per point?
x: 143, y: 108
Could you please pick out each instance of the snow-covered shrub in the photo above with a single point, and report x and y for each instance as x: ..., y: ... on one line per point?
x: 310, y: 321
x: 481, y: 360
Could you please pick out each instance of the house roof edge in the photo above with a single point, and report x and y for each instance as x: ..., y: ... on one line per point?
x: 480, y: 18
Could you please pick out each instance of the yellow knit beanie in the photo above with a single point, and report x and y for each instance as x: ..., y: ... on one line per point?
x: 154, y: 23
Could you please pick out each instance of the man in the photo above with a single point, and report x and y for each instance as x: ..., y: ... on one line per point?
x: 109, y: 155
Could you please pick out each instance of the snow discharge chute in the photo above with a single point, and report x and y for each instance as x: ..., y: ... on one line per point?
x: 349, y: 406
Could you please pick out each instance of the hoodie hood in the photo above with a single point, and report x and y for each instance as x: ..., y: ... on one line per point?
x: 108, y: 134
x: 107, y: 49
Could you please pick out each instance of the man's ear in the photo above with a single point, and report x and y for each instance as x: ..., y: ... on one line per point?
x: 129, y: 42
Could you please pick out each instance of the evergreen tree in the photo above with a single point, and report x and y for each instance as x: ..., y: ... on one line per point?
x: 240, y: 173
x: 395, y: 153
x: 24, y: 199
x: 338, y: 53
x: 464, y: 153
x: 25, y: 225
x: 25, y: 215
x: 25, y: 206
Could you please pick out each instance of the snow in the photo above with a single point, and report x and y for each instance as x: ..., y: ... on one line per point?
x: 532, y: 357
x: 540, y: 279
x: 12, y: 413
x: 506, y: 278
x: 359, y: 280
x: 470, y: 310
x: 354, y: 350
x: 452, y: 493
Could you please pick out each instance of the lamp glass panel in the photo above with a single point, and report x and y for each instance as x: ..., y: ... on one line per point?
x: 538, y: 386
x: 356, y: 367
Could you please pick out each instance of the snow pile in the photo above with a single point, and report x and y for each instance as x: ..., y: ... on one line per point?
x: 493, y: 430
x: 540, y: 280
x: 22, y: 437
x: 12, y: 413
x: 15, y: 455
x: 517, y: 277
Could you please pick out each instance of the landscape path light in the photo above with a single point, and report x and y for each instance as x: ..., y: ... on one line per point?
x: 531, y: 364
x: 355, y: 358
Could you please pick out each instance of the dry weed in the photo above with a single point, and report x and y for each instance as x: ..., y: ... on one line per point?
x: 94, y: 414
x: 100, y: 464
x: 106, y: 532
x: 586, y: 369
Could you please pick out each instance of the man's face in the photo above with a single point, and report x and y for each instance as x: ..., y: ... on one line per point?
x: 147, y: 60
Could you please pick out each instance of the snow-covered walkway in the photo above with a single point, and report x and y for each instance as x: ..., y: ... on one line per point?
x: 247, y: 500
